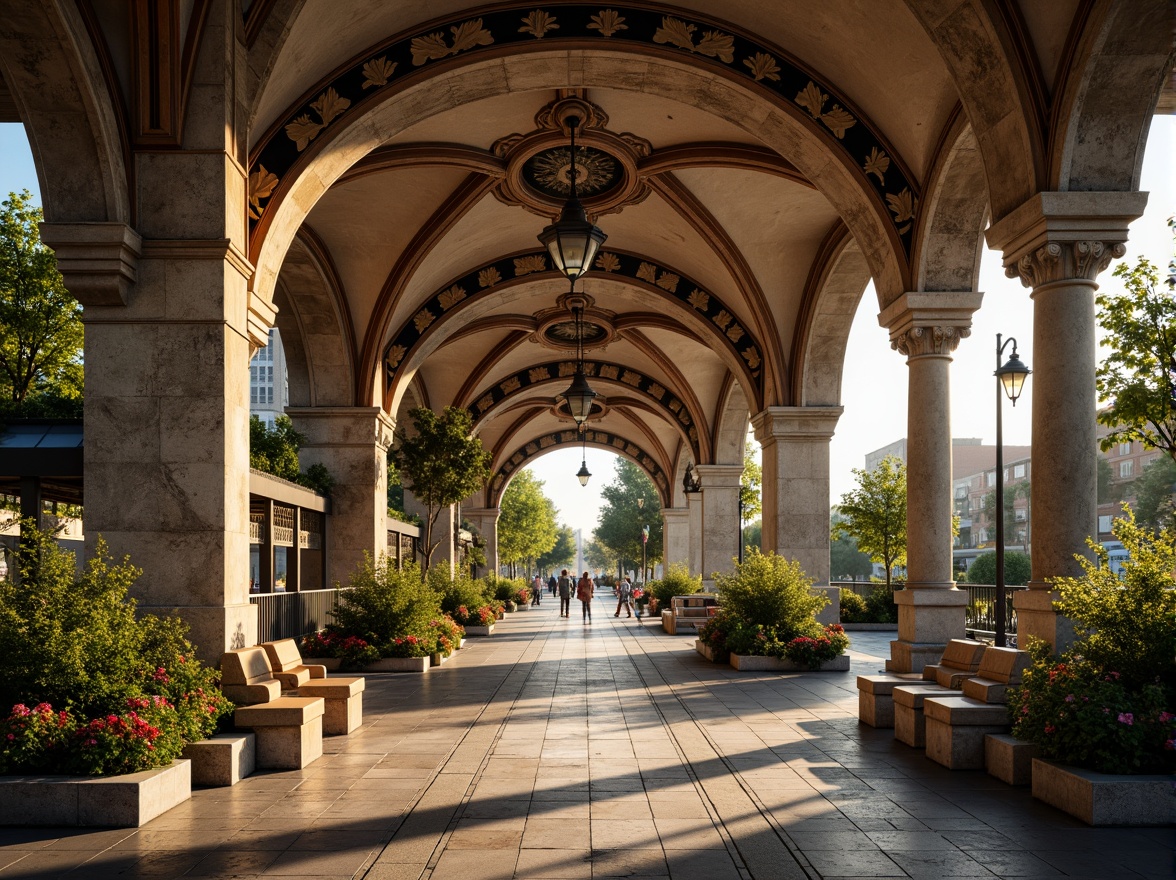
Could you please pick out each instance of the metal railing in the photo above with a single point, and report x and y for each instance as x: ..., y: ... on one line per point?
x: 980, y: 614
x: 293, y: 615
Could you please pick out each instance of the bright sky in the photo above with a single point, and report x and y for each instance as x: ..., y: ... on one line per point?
x: 875, y: 377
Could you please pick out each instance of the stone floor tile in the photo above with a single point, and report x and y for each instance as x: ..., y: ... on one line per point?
x: 853, y: 863
x: 312, y: 863
x: 936, y: 864
x: 468, y: 864
x: 634, y: 862
x: 554, y: 864
x: 702, y: 864
x: 690, y: 834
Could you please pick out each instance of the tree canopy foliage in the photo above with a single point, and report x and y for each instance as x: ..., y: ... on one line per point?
x: 440, y: 463
x: 1153, y: 494
x: 874, y: 513
x: 1138, y: 374
x: 562, y: 553
x: 1017, y: 569
x: 750, y: 484
x: 40, y: 322
x: 526, y: 524
x: 620, y: 521
x: 275, y: 451
x: 846, y: 561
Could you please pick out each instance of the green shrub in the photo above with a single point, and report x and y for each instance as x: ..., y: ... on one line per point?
x: 774, y: 592
x: 812, y: 652
x: 129, y: 691
x: 1017, y: 569
x: 1127, y: 626
x: 461, y: 590
x: 853, y: 607
x: 880, y: 607
x: 384, y: 603
x: 676, y: 581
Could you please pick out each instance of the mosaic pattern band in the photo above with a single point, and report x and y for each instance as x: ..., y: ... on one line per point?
x: 707, y: 41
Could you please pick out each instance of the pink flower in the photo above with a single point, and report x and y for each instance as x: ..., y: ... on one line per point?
x: 1049, y: 728
x: 1165, y: 717
x: 1126, y: 718
x: 1069, y: 698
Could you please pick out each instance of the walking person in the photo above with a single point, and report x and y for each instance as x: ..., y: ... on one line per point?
x: 625, y: 596
x: 585, y: 590
x: 536, y: 590
x: 552, y: 584
x: 565, y: 594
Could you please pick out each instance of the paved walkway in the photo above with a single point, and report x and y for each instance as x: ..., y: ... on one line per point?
x: 558, y: 750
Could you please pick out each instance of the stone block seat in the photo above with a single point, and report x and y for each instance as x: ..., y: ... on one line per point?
x: 247, y: 678
x: 876, y: 696
x: 961, y: 660
x: 344, y: 696
x: 956, y: 726
x: 289, y: 731
x: 909, y: 700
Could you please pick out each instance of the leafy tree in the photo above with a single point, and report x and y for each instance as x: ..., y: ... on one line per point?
x: 597, y: 556
x: 753, y: 535
x: 620, y: 520
x: 874, y: 514
x: 40, y: 323
x: 1012, y: 492
x: 441, y: 463
x: 1106, y: 480
x: 562, y: 553
x: 750, y: 484
x: 1138, y: 375
x: 526, y: 525
x: 1153, y: 494
x: 1017, y: 569
x: 275, y: 451
x: 845, y: 559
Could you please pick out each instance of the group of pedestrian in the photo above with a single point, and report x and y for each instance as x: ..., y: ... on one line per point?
x: 585, y: 589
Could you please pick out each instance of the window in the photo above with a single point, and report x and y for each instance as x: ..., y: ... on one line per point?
x: 1020, y: 515
x: 1104, y: 524
x: 1018, y: 471
x: 1125, y: 448
x: 1006, y: 475
x: 1126, y: 468
x: 990, y: 478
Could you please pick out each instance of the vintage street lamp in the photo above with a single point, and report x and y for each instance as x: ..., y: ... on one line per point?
x: 1010, y: 379
x: 582, y: 474
x: 644, y: 539
x: 579, y: 394
x: 572, y: 240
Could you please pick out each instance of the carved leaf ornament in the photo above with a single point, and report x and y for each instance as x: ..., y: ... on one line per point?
x: 557, y: 438
x: 502, y: 25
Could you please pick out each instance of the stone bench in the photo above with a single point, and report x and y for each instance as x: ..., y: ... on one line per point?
x: 876, y: 696
x: 246, y: 677
x: 961, y: 660
x: 909, y: 724
x: 344, y: 696
x: 687, y: 613
x: 286, y: 662
x: 289, y: 731
x: 956, y: 726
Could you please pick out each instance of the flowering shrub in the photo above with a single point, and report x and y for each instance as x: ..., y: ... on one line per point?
x: 353, y: 651
x: 812, y: 652
x: 76, y: 642
x: 715, y: 631
x: 408, y: 646
x: 447, y: 633
x: 773, y: 592
x: 484, y: 615
x: 1080, y: 714
x: 32, y: 740
x: 522, y: 596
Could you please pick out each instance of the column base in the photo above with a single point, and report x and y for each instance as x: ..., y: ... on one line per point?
x: 213, y: 629
x: 1036, y: 617
x: 927, y: 619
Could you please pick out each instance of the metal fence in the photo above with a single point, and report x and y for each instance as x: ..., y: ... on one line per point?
x: 980, y: 614
x: 293, y: 615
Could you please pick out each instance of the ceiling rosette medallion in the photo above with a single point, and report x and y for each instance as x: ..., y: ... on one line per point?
x: 557, y: 330
x: 538, y: 164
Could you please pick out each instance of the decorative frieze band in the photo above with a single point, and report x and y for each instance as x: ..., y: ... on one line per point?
x: 937, y: 339
x: 1080, y: 260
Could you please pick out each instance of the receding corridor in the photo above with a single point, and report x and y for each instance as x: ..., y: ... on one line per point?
x: 558, y: 750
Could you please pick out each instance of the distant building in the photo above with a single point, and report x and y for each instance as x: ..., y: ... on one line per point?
x: 269, y: 386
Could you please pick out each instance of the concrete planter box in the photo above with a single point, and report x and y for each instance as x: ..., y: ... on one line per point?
x: 714, y: 655
x: 748, y: 663
x: 399, y: 664
x: 331, y: 664
x: 479, y: 630
x: 110, y: 802
x: 439, y: 658
x: 1104, y: 798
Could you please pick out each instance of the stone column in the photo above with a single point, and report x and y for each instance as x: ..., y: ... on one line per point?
x: 485, y: 520
x: 352, y: 443
x: 720, y: 517
x: 694, y: 520
x: 675, y: 535
x: 1057, y: 243
x: 795, y: 494
x: 927, y: 327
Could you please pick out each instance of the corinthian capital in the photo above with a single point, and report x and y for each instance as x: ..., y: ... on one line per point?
x: 1080, y: 260
x: 919, y: 341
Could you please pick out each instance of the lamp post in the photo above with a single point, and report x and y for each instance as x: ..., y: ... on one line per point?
x: 644, y: 538
x: 1010, y: 379
x: 582, y: 474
